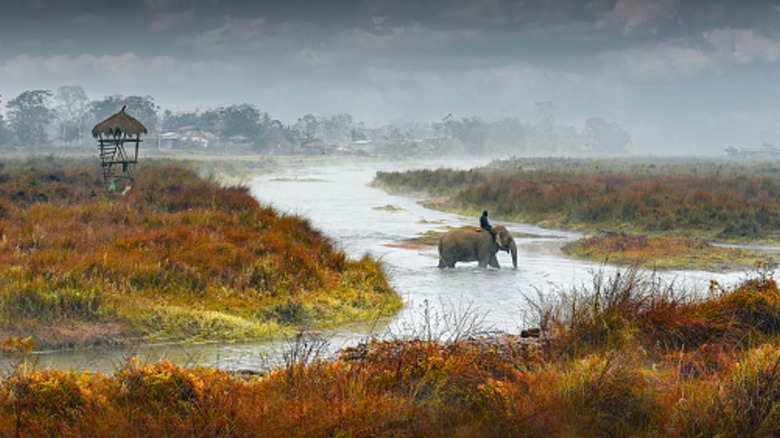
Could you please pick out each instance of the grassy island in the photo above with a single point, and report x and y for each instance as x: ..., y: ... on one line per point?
x: 657, y: 202
x: 663, y: 252
x: 178, y: 257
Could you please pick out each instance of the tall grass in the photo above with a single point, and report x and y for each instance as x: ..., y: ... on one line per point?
x: 178, y: 256
x: 627, y: 356
x: 726, y: 201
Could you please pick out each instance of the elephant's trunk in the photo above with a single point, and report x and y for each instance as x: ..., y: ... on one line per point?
x: 513, y: 250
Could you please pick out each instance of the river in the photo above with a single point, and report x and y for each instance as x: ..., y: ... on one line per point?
x: 338, y: 200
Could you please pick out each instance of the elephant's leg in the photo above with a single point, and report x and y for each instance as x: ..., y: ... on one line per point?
x: 494, y: 261
x: 444, y: 264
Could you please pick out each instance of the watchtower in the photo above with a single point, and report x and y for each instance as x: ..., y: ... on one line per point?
x: 113, y: 134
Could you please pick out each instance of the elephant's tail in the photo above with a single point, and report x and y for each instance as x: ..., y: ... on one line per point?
x: 442, y: 263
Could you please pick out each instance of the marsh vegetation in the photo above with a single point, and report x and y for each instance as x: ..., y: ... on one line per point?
x: 178, y: 257
x: 625, y: 357
x: 628, y: 354
x: 626, y: 199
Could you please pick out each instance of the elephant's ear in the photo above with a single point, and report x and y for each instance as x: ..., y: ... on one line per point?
x: 498, y: 240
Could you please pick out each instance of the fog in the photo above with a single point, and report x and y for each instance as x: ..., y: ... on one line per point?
x: 681, y: 77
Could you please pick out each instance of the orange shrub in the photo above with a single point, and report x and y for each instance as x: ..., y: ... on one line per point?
x: 48, y: 402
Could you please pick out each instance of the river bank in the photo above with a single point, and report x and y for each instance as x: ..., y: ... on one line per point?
x: 176, y: 257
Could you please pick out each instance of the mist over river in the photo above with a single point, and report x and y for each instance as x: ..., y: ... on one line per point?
x: 338, y: 200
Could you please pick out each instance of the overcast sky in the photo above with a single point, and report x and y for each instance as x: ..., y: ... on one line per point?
x: 681, y: 76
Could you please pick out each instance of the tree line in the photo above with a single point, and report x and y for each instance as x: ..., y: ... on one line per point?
x: 39, y: 120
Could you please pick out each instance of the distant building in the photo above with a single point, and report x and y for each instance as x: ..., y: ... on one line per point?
x: 768, y: 150
x: 186, y: 138
x: 317, y: 147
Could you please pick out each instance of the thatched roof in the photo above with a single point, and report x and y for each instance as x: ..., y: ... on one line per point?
x: 119, y: 123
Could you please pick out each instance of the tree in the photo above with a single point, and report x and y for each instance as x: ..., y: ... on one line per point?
x: 606, y: 137
x: 509, y: 135
x: 307, y: 126
x: 279, y: 137
x: 172, y: 122
x: 471, y: 132
x: 5, y: 135
x: 544, y: 132
x: 142, y: 108
x: 244, y: 120
x: 71, y: 110
x: 337, y: 128
x: 29, y: 114
x: 209, y: 121
x: 358, y: 133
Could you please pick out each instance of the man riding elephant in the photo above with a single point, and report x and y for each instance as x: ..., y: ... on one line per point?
x: 470, y: 244
x: 485, y: 224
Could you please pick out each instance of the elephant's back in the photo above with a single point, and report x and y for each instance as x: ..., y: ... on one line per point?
x: 459, y: 233
x: 459, y: 237
x: 467, y: 229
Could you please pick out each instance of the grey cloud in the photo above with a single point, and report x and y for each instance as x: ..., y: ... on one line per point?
x: 643, y: 16
x: 87, y: 20
x: 411, y: 35
x: 33, y: 5
x: 627, y: 17
x: 167, y: 22
x: 108, y: 74
x: 486, y: 11
x: 743, y: 46
x: 173, y: 5
x: 658, y: 62
x: 126, y: 66
x: 645, y: 61
x: 156, y: 5
x: 231, y: 34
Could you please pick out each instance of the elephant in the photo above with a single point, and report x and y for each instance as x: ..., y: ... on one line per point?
x: 469, y: 244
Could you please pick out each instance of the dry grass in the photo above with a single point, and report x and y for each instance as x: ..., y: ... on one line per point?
x: 628, y: 357
x: 177, y: 257
x: 661, y: 252
x: 724, y: 201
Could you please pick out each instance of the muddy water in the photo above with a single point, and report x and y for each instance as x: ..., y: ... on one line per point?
x: 362, y: 220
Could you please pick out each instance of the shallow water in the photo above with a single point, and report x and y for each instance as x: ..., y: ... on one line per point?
x: 337, y: 199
